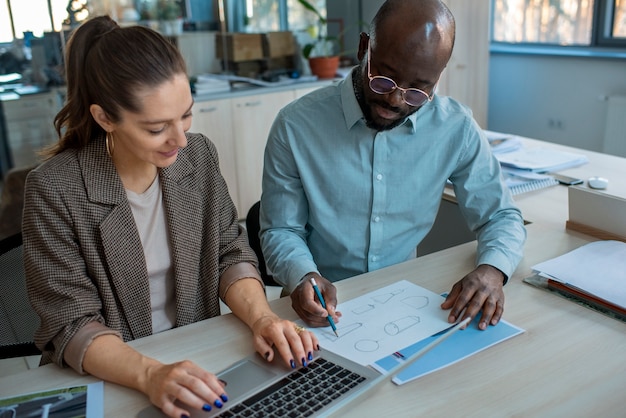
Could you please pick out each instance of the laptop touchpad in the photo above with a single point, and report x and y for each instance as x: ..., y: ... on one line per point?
x: 244, y: 377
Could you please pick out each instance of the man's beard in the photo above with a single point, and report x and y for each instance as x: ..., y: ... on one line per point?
x: 359, y: 92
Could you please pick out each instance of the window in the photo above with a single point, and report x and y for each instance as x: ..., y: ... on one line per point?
x: 274, y: 15
x: 583, y: 23
x: 31, y: 16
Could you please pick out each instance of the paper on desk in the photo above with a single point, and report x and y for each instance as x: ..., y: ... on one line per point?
x: 541, y: 159
x: 501, y: 142
x: 384, y: 321
x: 598, y: 268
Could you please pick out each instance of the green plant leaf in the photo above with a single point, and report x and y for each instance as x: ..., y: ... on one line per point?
x: 312, y: 8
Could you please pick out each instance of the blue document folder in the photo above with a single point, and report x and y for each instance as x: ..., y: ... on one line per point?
x: 457, y: 347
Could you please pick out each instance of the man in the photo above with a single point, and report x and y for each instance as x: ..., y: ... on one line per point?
x: 354, y: 173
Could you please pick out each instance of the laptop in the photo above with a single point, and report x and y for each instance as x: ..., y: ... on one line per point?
x: 330, y: 382
x: 257, y: 388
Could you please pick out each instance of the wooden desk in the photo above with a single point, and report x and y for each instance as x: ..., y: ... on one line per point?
x: 569, y: 362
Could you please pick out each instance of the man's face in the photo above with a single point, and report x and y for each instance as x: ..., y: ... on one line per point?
x: 409, y: 65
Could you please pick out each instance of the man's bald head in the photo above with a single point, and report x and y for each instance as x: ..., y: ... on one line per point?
x: 416, y: 24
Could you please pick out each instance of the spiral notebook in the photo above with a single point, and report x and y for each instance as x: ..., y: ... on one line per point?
x: 522, y: 181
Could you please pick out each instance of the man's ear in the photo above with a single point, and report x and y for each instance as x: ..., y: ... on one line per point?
x: 364, y: 40
x: 101, y: 117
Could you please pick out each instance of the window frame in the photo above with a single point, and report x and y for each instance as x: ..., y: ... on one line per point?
x: 601, y: 44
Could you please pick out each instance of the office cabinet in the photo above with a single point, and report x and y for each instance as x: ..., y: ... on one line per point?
x: 466, y: 78
x: 213, y: 119
x: 252, y: 119
x: 30, y: 126
x: 304, y: 91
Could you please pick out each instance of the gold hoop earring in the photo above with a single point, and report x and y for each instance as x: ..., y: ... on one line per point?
x: 109, y: 144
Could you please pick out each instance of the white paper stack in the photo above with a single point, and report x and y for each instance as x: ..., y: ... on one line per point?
x: 206, y: 84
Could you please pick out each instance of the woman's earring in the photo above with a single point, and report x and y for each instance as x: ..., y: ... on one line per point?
x: 109, y: 144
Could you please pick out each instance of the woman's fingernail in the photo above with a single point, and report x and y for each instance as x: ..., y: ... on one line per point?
x: 218, y: 403
x: 310, y: 356
x: 293, y: 364
x: 303, y: 362
x: 318, y: 347
x: 224, y: 397
x: 267, y: 355
x: 206, y: 407
x: 223, y: 382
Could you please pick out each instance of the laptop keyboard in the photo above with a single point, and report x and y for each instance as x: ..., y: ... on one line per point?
x: 301, y: 394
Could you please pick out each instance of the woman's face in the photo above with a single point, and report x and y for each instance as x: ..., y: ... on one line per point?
x: 154, y: 135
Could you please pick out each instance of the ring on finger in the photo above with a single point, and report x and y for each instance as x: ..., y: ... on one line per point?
x: 299, y: 329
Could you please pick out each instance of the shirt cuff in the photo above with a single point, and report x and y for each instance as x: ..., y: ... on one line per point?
x: 235, y: 273
x: 76, y: 348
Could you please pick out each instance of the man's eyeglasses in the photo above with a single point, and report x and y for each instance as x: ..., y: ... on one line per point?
x: 384, y: 85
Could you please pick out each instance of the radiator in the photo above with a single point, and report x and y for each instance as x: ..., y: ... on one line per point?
x: 615, y: 129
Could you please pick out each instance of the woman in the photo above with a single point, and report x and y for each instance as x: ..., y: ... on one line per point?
x: 129, y: 229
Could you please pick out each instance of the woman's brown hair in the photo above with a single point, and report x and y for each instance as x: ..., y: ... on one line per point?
x: 106, y: 64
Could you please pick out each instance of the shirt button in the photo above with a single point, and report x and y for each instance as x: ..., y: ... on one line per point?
x: 377, y: 219
x: 379, y: 177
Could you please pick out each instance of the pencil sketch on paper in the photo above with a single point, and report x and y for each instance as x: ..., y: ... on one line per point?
x: 401, y: 325
x: 384, y: 321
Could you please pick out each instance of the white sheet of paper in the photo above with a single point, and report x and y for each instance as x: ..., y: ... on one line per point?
x: 384, y: 321
x: 598, y: 268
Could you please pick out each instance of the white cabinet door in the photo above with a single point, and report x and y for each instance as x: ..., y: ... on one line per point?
x: 252, y: 119
x: 30, y: 126
x: 213, y: 119
x: 304, y: 91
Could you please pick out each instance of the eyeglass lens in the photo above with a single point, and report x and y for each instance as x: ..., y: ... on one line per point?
x: 384, y: 85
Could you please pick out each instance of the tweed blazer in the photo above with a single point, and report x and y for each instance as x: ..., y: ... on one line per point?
x: 83, y: 256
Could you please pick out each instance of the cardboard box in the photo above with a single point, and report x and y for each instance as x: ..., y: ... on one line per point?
x: 596, y: 213
x: 239, y: 46
x: 278, y: 44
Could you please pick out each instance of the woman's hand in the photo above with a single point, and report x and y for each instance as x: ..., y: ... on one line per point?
x: 294, y: 343
x: 112, y: 360
x: 185, y: 382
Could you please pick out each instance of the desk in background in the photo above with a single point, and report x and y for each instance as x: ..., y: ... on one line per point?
x: 569, y: 362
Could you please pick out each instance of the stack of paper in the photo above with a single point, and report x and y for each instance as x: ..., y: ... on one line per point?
x: 206, y: 84
x: 595, y: 272
x: 503, y: 142
x: 540, y: 159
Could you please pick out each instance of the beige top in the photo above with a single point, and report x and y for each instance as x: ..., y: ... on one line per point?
x: 149, y: 216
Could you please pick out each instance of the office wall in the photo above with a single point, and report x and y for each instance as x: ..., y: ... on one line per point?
x: 557, y: 99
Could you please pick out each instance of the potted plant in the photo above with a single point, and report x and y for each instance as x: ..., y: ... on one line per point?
x: 321, y: 53
x: 169, y: 14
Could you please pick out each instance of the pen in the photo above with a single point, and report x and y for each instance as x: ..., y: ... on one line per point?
x: 319, y: 296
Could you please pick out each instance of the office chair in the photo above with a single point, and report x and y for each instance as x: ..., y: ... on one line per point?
x: 18, y: 320
x: 253, y: 226
x: 12, y: 201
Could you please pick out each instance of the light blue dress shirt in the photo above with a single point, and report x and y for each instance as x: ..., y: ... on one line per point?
x: 342, y: 199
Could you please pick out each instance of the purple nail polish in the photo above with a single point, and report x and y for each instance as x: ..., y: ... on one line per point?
x: 293, y: 364
x: 224, y: 397
x: 303, y: 362
x: 206, y: 407
x: 218, y: 403
x: 310, y: 356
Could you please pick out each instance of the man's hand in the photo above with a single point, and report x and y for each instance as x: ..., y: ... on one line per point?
x: 479, y: 291
x: 308, y: 307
